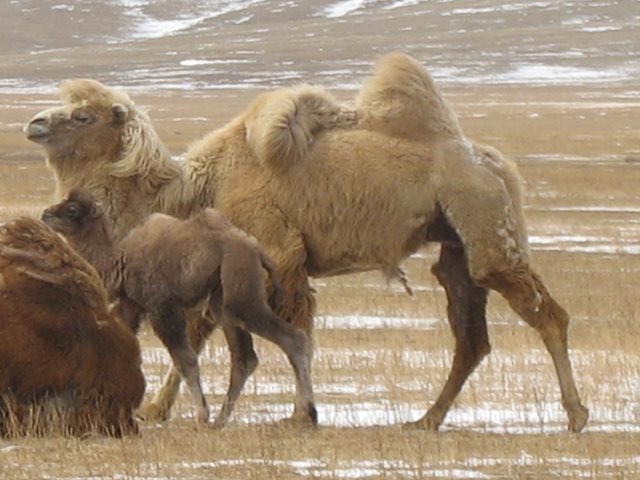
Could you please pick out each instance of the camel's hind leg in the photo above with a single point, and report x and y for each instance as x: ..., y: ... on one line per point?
x: 483, y: 204
x: 466, y: 312
x: 169, y: 324
x: 243, y: 363
x: 528, y: 297
x: 199, y: 328
x: 245, y: 306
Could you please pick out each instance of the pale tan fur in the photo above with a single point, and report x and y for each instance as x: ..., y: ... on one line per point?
x: 117, y: 155
x: 401, y: 100
x: 282, y: 125
x: 365, y: 197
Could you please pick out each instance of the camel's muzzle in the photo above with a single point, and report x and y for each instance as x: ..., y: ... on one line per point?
x: 37, y: 129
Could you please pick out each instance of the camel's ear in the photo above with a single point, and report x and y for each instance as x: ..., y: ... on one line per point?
x: 120, y: 113
x: 96, y: 210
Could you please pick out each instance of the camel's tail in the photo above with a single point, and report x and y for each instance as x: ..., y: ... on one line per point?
x: 282, y: 124
x: 276, y: 286
x: 402, y: 100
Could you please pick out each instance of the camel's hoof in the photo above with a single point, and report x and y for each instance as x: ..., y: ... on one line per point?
x: 302, y: 418
x: 218, y: 424
x: 298, y: 423
x: 425, y: 423
x: 203, y: 416
x: 153, y: 413
x: 578, y: 419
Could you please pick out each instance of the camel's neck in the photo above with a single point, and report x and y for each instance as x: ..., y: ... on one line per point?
x: 75, y: 171
x: 97, y: 247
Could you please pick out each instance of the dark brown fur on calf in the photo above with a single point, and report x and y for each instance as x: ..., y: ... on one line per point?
x: 58, y: 338
x: 167, y: 265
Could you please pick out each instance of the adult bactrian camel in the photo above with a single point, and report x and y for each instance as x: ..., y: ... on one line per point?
x: 329, y: 190
x: 59, y: 340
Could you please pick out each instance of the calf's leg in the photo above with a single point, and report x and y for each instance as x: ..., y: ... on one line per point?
x: 199, y: 328
x: 168, y: 322
x: 244, y: 305
x: 243, y: 363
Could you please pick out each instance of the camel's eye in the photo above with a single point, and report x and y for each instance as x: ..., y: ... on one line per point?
x: 82, y: 117
x: 72, y: 211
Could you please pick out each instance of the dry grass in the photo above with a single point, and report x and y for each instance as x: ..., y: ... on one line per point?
x: 508, y: 421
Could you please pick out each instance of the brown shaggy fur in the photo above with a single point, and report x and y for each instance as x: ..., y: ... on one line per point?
x: 166, y: 265
x: 59, y: 339
x: 357, y: 198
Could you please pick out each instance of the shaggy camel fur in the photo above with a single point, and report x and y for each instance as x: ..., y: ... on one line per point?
x: 166, y: 265
x: 58, y: 338
x: 360, y: 190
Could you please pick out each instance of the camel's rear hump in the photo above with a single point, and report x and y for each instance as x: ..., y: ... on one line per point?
x: 400, y: 99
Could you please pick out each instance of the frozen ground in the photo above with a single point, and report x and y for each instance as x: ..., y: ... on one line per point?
x: 204, y: 44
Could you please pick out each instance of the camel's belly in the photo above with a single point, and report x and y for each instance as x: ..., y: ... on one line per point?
x: 361, y: 203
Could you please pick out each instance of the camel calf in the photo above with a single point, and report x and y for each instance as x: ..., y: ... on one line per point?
x: 61, y: 347
x: 167, y: 265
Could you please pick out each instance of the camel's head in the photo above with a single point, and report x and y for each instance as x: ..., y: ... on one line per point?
x: 90, y: 120
x: 75, y: 215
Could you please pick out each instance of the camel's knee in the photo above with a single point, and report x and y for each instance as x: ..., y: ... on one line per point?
x: 480, y: 349
x: 185, y: 359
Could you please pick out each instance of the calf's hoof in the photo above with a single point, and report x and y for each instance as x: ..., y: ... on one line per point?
x: 303, y: 417
x: 203, y: 415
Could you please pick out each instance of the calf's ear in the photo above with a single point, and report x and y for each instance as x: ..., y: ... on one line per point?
x: 96, y: 210
x: 120, y: 113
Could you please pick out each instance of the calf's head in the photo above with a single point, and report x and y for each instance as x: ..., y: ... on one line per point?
x: 77, y: 214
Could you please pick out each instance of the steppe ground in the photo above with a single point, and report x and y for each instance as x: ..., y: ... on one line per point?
x: 578, y: 162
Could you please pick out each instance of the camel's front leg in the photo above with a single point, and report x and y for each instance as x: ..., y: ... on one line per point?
x: 169, y: 323
x: 199, y: 328
x: 466, y: 312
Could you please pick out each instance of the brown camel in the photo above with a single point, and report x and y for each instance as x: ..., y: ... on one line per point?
x: 329, y: 191
x: 59, y: 342
x: 166, y: 265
